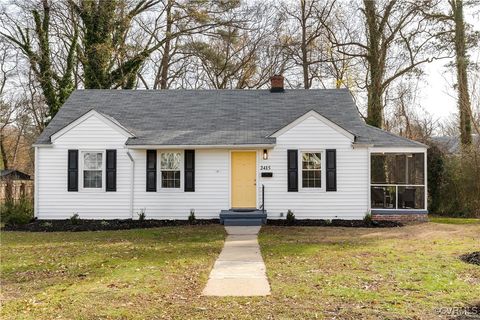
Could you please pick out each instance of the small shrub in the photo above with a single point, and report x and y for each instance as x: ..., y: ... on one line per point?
x: 290, y: 217
x: 75, y: 219
x: 104, y: 223
x: 141, y: 215
x: 191, y: 217
x: 16, y: 213
x: 46, y: 224
x: 367, y: 218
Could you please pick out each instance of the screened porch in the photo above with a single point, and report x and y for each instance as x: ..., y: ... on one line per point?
x: 397, y: 181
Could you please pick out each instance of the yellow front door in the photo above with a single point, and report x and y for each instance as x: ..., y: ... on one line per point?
x: 244, y: 179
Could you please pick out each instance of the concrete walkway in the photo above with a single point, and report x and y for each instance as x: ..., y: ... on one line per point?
x: 239, y: 270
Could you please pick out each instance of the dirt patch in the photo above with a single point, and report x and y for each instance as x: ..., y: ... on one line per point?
x: 473, y: 258
x: 336, y: 223
x: 99, y: 225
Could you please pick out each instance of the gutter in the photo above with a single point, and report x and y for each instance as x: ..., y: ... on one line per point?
x: 192, y: 146
x: 132, y: 181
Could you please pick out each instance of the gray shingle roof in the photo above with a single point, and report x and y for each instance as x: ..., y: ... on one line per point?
x: 216, y: 117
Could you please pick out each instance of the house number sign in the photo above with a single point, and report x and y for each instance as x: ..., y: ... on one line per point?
x: 266, y: 171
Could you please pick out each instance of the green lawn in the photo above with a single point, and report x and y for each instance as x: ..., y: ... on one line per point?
x: 320, y: 272
x: 447, y: 220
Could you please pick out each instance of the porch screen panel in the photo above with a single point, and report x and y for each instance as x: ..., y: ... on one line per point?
x: 397, y: 180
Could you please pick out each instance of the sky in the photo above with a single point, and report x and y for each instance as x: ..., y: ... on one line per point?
x: 437, y: 96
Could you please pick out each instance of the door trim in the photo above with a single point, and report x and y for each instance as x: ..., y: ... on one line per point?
x: 230, y: 175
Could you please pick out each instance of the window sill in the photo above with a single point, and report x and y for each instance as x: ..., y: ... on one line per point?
x: 170, y: 190
x: 92, y: 190
x: 312, y: 190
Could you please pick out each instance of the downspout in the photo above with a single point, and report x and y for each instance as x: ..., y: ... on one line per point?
x: 132, y: 181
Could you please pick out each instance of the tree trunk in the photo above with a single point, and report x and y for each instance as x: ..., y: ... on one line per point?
x: 376, y: 67
x: 166, y: 51
x: 45, y: 76
x: 3, y: 153
x: 462, y: 76
x: 303, y: 45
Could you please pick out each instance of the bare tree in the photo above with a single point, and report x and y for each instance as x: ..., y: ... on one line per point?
x: 243, y: 55
x: 55, y: 76
x: 7, y: 111
x: 305, y: 36
x: 458, y: 36
x: 396, y: 41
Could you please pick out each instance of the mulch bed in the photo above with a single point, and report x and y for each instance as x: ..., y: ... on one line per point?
x: 117, y: 224
x: 473, y: 258
x: 98, y: 225
x: 336, y: 223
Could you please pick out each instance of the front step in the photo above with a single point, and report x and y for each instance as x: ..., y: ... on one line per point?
x: 236, y: 218
x: 242, y: 222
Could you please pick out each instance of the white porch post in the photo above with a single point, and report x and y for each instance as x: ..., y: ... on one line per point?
x: 425, y: 175
x: 369, y: 182
x: 35, y: 184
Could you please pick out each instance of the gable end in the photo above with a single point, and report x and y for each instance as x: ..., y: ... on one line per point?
x: 316, y: 115
x: 111, y: 122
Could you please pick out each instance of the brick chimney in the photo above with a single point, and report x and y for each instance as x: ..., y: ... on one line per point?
x: 276, y: 82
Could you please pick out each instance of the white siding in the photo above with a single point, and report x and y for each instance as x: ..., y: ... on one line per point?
x: 55, y: 202
x: 212, y: 179
x: 350, y: 201
x: 211, y: 188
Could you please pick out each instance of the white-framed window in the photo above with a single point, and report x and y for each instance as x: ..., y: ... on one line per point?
x: 311, y: 169
x: 93, y: 168
x: 170, y: 169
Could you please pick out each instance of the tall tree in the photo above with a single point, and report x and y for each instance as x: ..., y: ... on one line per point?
x: 37, y: 48
x: 105, y: 26
x: 396, y: 40
x: 305, y: 36
x: 459, y: 37
x: 110, y: 61
x: 461, y: 62
x: 241, y: 55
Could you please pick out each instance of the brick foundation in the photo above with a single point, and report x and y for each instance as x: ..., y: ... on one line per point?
x: 400, y: 217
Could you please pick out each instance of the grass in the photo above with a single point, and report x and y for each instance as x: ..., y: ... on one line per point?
x: 447, y: 220
x: 315, y: 272
x: 372, y: 273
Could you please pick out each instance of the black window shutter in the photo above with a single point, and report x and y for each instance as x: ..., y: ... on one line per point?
x: 111, y: 172
x: 189, y: 171
x: 72, y: 184
x: 151, y: 170
x: 331, y: 170
x: 292, y: 166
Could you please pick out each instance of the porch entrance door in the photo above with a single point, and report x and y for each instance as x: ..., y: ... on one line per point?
x: 244, y: 179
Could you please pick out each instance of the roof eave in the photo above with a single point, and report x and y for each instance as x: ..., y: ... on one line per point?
x: 201, y: 146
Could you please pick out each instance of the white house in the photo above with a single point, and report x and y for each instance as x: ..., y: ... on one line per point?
x: 110, y: 154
